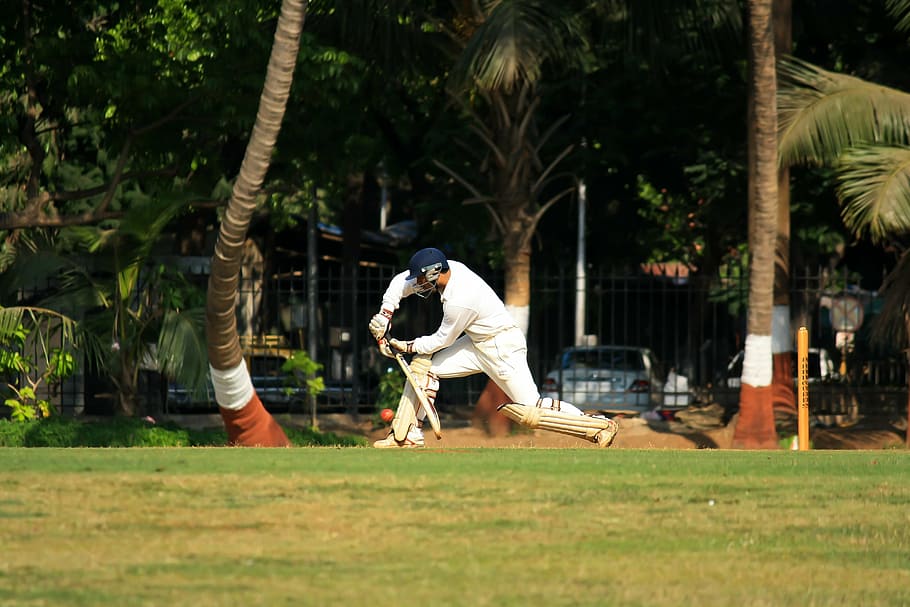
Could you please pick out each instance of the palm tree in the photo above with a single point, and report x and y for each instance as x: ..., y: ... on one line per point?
x: 755, y: 426
x: 863, y: 130
x: 250, y: 425
x: 505, y: 46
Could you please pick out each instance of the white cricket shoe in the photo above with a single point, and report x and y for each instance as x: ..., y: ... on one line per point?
x: 412, y: 440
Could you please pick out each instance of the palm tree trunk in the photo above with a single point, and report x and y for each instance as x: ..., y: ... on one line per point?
x: 251, y: 425
x: 755, y: 425
x: 514, y: 130
x: 518, y: 301
x: 784, y: 397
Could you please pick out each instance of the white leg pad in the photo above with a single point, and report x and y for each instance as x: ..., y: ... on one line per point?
x: 406, y: 414
x: 579, y: 426
x: 409, y: 405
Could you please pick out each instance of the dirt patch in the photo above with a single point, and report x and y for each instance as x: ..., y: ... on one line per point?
x: 700, y: 432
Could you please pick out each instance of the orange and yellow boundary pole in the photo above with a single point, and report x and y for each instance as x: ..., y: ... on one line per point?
x: 802, y: 409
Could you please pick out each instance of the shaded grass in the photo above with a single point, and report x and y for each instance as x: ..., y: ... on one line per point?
x: 329, y: 526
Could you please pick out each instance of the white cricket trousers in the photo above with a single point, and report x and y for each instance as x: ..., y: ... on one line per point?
x: 503, y: 358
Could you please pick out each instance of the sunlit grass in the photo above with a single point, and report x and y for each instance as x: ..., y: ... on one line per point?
x: 324, y: 526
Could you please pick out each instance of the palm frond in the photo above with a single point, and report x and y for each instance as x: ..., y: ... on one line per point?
x: 53, y: 327
x: 515, y: 41
x: 889, y: 328
x: 698, y: 25
x: 874, y: 187
x: 78, y: 292
x: 900, y: 10
x: 10, y: 320
x: 36, y: 269
x: 822, y: 113
x: 181, y: 349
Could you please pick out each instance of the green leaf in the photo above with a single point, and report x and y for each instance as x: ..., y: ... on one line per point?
x: 10, y: 323
x: 516, y: 39
x: 874, y: 186
x: 823, y: 113
x: 900, y: 10
x: 181, y: 349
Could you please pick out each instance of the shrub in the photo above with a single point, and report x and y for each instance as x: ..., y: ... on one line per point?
x: 134, y: 432
x: 12, y: 434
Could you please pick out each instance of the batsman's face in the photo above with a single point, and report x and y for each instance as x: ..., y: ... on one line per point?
x: 424, y: 287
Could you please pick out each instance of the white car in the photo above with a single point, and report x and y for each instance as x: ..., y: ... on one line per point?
x: 606, y: 378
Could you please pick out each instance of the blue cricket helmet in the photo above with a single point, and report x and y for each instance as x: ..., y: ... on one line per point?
x: 429, y: 263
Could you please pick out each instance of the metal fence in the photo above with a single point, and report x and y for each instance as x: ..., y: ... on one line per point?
x: 694, y: 324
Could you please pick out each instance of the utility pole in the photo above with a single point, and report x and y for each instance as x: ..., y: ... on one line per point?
x: 580, y: 273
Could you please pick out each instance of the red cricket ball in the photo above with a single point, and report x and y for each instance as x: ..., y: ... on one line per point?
x: 387, y: 415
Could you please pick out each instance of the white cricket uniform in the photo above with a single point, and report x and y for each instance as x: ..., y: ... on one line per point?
x: 477, y: 334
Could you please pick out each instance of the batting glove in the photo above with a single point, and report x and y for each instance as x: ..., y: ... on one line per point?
x: 402, y: 346
x: 384, y: 348
x: 379, y: 324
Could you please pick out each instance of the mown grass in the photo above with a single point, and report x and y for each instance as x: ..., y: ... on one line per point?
x: 351, y: 526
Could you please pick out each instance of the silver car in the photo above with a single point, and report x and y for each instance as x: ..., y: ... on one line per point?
x: 606, y: 378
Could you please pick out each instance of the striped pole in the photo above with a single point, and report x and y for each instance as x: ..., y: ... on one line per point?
x: 802, y: 358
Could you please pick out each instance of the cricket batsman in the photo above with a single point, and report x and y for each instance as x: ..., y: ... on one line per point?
x: 477, y: 335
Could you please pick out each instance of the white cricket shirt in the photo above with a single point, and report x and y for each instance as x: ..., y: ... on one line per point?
x: 469, y: 306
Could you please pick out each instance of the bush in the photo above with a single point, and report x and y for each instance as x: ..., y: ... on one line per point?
x: 12, y: 434
x: 134, y: 432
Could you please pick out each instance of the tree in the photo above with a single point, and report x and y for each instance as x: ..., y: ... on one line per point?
x: 251, y: 424
x: 134, y: 311
x: 755, y: 425
x: 109, y: 104
x: 506, y: 46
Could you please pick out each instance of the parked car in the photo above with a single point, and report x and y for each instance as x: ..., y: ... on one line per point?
x: 606, y: 378
x: 821, y: 367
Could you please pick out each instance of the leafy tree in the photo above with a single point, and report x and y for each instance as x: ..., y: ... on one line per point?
x: 102, y: 112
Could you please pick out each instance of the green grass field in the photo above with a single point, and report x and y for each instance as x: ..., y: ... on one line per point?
x: 353, y: 526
